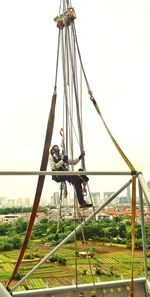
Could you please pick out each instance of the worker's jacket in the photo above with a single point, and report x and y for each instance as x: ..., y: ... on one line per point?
x: 57, y: 164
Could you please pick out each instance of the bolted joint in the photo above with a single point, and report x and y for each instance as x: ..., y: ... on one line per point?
x: 133, y: 172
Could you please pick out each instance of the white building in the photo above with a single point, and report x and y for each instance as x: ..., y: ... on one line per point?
x: 10, y: 218
x: 3, y: 201
x: 10, y: 203
x: 19, y: 202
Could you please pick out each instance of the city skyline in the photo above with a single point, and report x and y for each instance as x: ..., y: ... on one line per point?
x: 54, y: 199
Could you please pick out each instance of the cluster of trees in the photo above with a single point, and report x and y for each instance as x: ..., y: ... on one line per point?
x: 11, y: 235
x: 58, y: 259
x: 10, y: 243
x: 115, y: 231
x: 14, y: 210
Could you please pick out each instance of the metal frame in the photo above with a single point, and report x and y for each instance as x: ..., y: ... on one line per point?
x: 143, y: 188
x: 71, y: 235
x: 66, y: 173
x: 101, y: 288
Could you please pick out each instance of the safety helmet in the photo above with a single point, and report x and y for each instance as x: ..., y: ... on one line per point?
x: 55, y: 150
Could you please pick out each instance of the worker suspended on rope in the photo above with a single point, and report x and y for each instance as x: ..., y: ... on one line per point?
x: 60, y: 162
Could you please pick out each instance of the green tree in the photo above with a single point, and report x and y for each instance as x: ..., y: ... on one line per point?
x: 138, y: 231
x: 139, y: 244
x: 122, y: 230
x: 20, y: 225
x: 93, y: 230
x: 112, y: 232
x: 3, y: 229
x: 7, y: 245
x: 8, y: 229
x: 17, y: 242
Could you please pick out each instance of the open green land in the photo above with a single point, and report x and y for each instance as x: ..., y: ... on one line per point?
x: 109, y: 262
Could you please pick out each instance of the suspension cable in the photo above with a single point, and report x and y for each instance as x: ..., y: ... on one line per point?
x: 57, y: 60
x: 79, y: 54
x: 69, y: 60
x: 77, y: 102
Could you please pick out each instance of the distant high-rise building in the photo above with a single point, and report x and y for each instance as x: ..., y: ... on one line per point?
x: 43, y: 202
x: 96, y: 197
x: 129, y: 193
x: 3, y: 201
x: 124, y: 200
x: 27, y: 202
x: 55, y: 199
x: 65, y: 201
x: 19, y: 202
x: 10, y: 203
x: 107, y: 195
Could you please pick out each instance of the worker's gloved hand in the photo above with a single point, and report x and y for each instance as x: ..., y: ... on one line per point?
x: 82, y: 155
x: 65, y: 158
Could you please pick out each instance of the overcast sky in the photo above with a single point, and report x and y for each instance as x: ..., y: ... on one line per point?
x: 114, y: 40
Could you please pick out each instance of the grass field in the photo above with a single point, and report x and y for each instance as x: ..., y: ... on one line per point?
x: 110, y: 263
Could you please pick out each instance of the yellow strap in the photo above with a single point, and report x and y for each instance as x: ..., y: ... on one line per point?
x: 131, y: 293
x: 113, y: 139
x: 133, y: 231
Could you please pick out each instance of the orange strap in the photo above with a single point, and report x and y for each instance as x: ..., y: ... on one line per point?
x: 40, y: 183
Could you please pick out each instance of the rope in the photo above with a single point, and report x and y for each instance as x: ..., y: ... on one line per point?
x: 65, y: 90
x: 57, y: 60
x: 77, y: 213
x: 77, y: 103
x: 74, y: 77
x: 87, y: 250
x: 79, y: 54
x: 68, y: 108
x: 69, y: 63
x: 72, y: 54
x: 79, y: 108
x: 72, y: 51
x: 60, y: 205
x: 75, y: 243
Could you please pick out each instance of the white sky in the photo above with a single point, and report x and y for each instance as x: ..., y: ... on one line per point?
x: 114, y: 39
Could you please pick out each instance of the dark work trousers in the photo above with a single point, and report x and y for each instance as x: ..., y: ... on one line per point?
x: 76, y: 181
